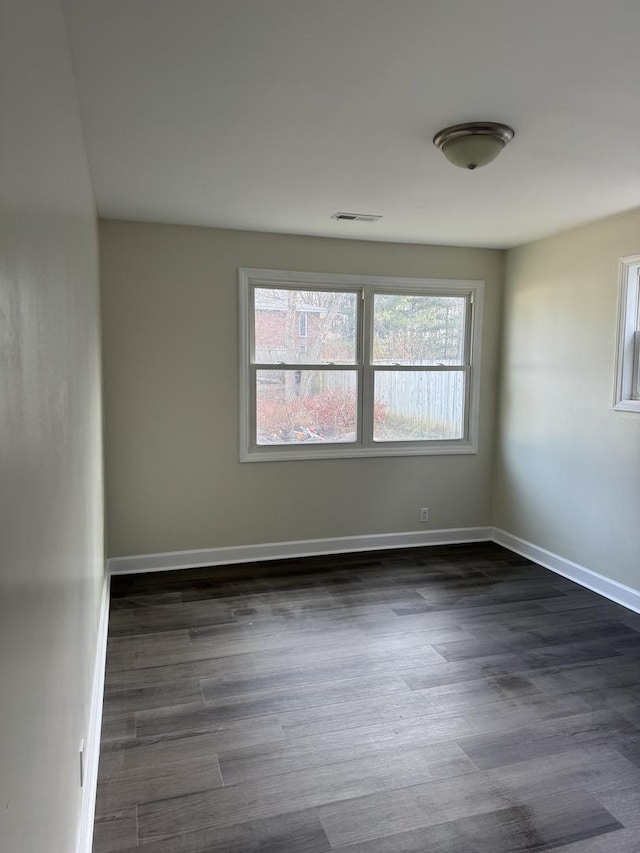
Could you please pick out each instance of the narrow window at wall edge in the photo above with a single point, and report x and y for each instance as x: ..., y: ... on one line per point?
x: 626, y: 397
x: 379, y: 366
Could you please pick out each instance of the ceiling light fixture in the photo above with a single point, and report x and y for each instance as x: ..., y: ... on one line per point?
x: 473, y: 144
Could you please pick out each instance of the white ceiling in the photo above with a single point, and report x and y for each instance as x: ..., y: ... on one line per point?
x: 274, y: 114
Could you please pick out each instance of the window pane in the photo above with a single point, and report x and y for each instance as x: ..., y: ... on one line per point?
x: 304, y: 326
x: 418, y: 405
x: 416, y: 330
x: 306, y: 406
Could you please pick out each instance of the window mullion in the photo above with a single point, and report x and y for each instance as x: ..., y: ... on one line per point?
x: 635, y: 379
x: 635, y: 382
x: 421, y: 368
x: 468, y: 332
x: 252, y: 409
x: 303, y: 365
x: 366, y: 395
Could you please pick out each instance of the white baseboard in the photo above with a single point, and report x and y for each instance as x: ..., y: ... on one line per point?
x: 611, y: 589
x: 301, y: 548
x: 94, y: 726
x: 614, y: 591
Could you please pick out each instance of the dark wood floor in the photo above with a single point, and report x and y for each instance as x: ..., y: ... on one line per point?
x: 444, y: 700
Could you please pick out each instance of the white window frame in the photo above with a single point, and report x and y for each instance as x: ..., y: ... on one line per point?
x: 627, y: 373
x: 250, y: 451
x: 302, y: 324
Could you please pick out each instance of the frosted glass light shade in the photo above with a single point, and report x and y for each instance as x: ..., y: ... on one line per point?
x: 472, y: 145
x: 469, y: 152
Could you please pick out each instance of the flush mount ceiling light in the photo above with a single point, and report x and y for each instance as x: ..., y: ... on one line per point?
x: 473, y: 144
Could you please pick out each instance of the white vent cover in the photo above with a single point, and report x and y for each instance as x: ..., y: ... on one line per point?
x: 356, y: 217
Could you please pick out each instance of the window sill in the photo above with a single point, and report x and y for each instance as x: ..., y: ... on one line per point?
x: 627, y: 406
x: 287, y: 454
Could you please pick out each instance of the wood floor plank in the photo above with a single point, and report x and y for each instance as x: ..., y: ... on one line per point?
x: 264, y: 728
x: 420, y: 806
x: 278, y: 637
x: 338, y: 716
x: 154, y: 781
x: 437, y: 731
x: 307, y: 695
x: 549, y: 643
x: 192, y: 670
x: 116, y: 831
x: 366, y: 818
x: 123, y: 728
x: 355, y: 667
x: 441, y: 838
x: 169, y: 617
x: 461, y: 697
x: 214, y: 808
x: 444, y: 615
x: 148, y: 650
x: 539, y: 824
x: 178, y: 745
x: 490, y: 751
x: 297, y: 832
x: 454, y: 672
x: 622, y: 804
x: 595, y: 769
x: 603, y: 631
x: 137, y: 602
x: 121, y: 702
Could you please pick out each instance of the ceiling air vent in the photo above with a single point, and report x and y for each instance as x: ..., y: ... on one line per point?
x: 356, y: 217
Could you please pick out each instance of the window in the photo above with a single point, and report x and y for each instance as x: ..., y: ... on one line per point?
x: 389, y: 366
x: 302, y: 324
x: 627, y: 380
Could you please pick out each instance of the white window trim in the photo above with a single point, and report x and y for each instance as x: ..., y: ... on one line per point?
x: 627, y: 371
x: 251, y: 452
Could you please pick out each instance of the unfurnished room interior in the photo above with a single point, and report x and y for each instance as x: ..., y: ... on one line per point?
x: 319, y: 426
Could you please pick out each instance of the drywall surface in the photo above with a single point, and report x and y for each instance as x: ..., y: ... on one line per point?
x: 568, y: 469
x: 51, y: 507
x: 170, y: 327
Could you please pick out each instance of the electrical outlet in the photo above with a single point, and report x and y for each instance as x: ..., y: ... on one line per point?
x: 424, y: 514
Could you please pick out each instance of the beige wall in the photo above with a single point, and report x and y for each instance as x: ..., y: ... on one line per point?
x: 170, y: 320
x: 51, y: 549
x: 568, y: 472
